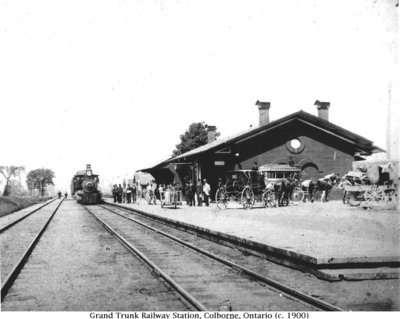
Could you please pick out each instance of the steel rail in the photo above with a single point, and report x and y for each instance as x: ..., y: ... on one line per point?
x: 20, y: 264
x: 282, y: 287
x: 23, y: 217
x: 199, y: 306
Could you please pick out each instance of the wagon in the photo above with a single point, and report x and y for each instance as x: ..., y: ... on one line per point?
x: 372, y: 195
x: 372, y: 184
x: 241, y: 186
x: 355, y: 185
x: 245, y: 187
x: 171, y: 198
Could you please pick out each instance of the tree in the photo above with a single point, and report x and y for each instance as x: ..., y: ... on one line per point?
x: 8, y: 172
x: 39, y: 179
x: 195, y: 136
x: 16, y: 188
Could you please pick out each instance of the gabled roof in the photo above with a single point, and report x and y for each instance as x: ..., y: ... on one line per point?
x: 159, y: 163
x: 309, y: 119
x: 214, y: 144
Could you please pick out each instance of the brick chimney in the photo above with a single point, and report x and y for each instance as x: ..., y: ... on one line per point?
x: 323, y: 109
x: 263, y: 108
x: 211, y: 131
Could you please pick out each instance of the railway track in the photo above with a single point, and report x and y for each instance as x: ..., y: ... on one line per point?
x: 19, y: 238
x: 15, y: 220
x: 207, y: 281
x: 78, y: 266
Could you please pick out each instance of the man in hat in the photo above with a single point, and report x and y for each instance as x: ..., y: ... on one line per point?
x: 129, y: 194
x: 199, y: 192
x: 191, y: 190
x: 120, y: 192
x: 115, y: 193
x: 206, y: 192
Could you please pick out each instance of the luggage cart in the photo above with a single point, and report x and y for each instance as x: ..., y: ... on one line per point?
x: 171, y: 198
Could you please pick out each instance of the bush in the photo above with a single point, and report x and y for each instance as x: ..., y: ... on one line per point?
x: 10, y: 204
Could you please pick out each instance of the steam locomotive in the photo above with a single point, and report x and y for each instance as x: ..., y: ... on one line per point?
x: 84, y: 186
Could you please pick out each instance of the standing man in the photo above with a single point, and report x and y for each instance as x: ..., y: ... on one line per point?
x: 153, y: 192
x: 120, y: 192
x: 291, y: 161
x: 124, y: 189
x: 115, y: 193
x: 206, y: 192
x: 128, y: 194
x: 191, y: 190
x: 199, y: 192
x: 133, y: 193
x: 59, y: 194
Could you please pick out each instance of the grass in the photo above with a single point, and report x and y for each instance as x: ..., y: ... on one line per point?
x: 10, y: 204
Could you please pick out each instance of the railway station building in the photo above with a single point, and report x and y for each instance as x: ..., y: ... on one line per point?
x: 311, y: 143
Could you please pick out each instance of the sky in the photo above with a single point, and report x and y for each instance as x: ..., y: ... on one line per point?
x: 114, y: 83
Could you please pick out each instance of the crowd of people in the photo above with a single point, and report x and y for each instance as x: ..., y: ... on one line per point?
x: 194, y: 193
x: 125, y: 194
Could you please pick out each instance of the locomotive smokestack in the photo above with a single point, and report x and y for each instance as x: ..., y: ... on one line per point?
x: 88, y: 170
x: 323, y: 109
x: 263, y: 108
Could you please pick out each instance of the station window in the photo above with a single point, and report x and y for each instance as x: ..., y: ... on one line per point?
x: 269, y: 174
x: 295, y: 143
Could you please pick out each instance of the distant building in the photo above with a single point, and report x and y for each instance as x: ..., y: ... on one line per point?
x: 312, y: 143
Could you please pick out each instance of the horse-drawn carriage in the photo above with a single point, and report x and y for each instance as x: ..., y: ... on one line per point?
x: 371, y: 183
x: 271, y: 184
x: 241, y: 186
x: 282, y: 184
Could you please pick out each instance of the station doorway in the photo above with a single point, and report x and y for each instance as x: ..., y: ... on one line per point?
x: 309, y: 171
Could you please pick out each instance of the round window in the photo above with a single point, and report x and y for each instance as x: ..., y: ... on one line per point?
x: 295, y: 145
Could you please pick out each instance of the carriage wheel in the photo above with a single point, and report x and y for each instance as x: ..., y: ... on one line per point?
x: 297, y: 195
x: 237, y: 186
x: 221, y: 197
x: 247, y: 198
x: 374, y: 194
x: 353, y: 198
x: 268, y: 199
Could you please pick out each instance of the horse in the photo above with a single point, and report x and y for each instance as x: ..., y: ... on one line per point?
x: 283, y: 189
x: 324, y: 185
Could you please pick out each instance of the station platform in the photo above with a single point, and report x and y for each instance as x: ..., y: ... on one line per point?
x: 331, y: 240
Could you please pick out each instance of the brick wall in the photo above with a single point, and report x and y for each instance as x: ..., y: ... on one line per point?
x: 328, y: 153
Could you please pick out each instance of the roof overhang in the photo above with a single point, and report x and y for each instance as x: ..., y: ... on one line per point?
x: 360, y: 143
